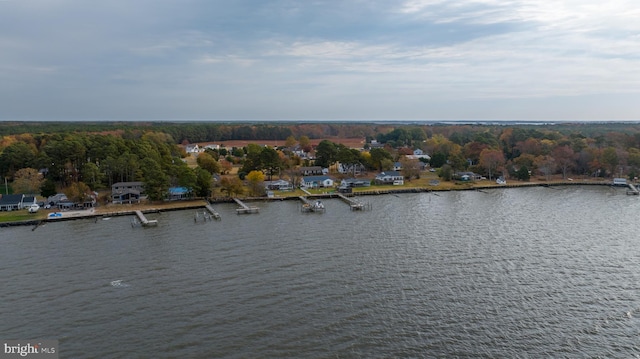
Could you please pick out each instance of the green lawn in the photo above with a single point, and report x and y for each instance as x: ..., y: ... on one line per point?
x: 21, y: 215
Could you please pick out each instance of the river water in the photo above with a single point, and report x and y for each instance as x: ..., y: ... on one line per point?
x: 529, y: 272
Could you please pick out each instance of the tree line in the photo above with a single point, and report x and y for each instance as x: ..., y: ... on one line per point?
x: 85, y: 157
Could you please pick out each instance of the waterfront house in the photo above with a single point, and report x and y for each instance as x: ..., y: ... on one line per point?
x: 178, y: 193
x: 127, y: 192
x: 390, y: 177
x: 56, y: 198
x: 397, y: 166
x: 468, y: 176
x: 354, y: 182
x: 278, y: 185
x: 27, y: 201
x: 619, y: 181
x: 11, y: 202
x: 317, y: 181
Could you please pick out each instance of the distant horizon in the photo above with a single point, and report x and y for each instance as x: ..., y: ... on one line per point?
x: 364, y: 121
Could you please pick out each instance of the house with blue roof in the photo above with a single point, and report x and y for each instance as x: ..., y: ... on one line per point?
x: 177, y: 193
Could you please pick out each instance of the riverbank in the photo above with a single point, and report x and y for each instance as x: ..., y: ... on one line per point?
x: 113, y: 210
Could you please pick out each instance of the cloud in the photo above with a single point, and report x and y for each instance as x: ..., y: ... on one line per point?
x: 274, y: 58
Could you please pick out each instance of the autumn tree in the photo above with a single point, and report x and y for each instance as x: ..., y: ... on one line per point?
x: 491, y: 161
x: 410, y: 168
x: 305, y: 143
x: 290, y: 142
x: 546, y: 165
x: 531, y: 146
x: 231, y: 185
x: 226, y: 166
x: 564, y: 158
x: 610, y: 159
x: 208, y: 163
x: 445, y: 172
x: 78, y: 192
x: 256, y: 182
x: 27, y: 180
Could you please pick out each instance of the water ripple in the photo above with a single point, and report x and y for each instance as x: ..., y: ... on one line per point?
x: 533, y: 272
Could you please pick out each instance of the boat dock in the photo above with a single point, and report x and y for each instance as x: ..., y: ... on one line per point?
x: 632, y: 189
x: 309, y: 206
x: 144, y: 221
x: 213, y: 212
x: 353, y: 203
x: 244, y: 209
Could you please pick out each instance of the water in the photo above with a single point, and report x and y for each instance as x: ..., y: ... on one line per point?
x: 535, y: 272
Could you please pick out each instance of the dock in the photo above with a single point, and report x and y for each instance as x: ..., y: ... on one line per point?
x: 144, y: 221
x: 353, y: 203
x: 213, y: 212
x: 244, y: 209
x: 309, y: 206
x: 632, y: 190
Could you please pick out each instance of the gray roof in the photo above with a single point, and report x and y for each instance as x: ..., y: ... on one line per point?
x: 11, y: 198
x: 315, y: 178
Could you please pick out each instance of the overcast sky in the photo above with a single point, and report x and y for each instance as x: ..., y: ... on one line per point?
x: 320, y: 60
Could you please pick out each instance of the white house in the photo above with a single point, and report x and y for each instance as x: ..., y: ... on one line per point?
x: 419, y: 154
x: 390, y: 177
x: 317, y: 181
x: 192, y: 148
x: 280, y: 185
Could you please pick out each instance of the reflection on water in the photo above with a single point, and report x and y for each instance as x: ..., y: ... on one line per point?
x: 538, y: 272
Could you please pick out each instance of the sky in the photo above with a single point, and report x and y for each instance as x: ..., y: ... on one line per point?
x: 320, y: 60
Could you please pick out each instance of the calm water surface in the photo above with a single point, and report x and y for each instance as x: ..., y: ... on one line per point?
x: 538, y: 273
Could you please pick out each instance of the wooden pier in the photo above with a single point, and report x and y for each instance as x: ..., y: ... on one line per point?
x: 353, y: 203
x: 632, y: 190
x: 213, y: 212
x: 309, y: 206
x: 144, y: 221
x: 244, y: 209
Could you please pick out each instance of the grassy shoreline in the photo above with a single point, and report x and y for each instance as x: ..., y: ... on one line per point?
x: 16, y: 218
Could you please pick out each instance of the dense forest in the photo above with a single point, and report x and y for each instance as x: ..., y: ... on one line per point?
x: 81, y: 157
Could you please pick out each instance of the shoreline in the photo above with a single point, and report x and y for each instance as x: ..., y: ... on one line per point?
x: 126, y: 210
